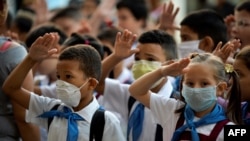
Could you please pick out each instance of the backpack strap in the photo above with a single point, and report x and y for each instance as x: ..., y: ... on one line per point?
x: 50, y: 119
x: 217, y: 129
x: 131, y: 102
x: 97, y: 125
x: 158, y: 133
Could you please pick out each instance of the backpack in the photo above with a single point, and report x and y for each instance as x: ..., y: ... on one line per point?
x: 96, y: 126
x: 159, y: 130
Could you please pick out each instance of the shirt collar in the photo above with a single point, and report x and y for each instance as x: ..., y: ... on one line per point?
x: 88, y: 111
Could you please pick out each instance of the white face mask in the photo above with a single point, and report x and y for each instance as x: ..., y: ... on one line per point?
x: 186, y: 48
x: 68, y: 93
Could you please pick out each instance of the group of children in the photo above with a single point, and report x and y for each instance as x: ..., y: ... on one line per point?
x: 191, y: 97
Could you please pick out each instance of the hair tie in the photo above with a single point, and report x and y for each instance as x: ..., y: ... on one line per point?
x: 86, y: 42
x: 229, y: 68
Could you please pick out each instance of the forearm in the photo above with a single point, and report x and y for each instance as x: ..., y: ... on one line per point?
x: 108, y: 64
x: 17, y: 77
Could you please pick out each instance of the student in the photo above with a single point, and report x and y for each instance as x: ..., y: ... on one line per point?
x: 45, y: 71
x: 154, y: 48
x: 71, y: 20
x: 23, y: 22
x: 77, y: 38
x: 203, y: 80
x: 205, y: 28
x: 107, y: 36
x: 241, y: 66
x: 78, y: 71
x: 132, y: 15
x: 241, y: 28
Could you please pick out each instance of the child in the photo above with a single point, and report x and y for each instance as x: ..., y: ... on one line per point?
x: 155, y: 47
x: 240, y: 29
x: 78, y: 71
x: 120, y: 72
x: 203, y: 80
x: 71, y: 20
x: 241, y: 66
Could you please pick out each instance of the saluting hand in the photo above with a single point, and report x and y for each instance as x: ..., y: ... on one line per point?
x: 44, y: 47
x: 123, y: 44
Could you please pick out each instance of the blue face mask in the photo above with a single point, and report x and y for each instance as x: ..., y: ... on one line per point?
x: 199, y: 99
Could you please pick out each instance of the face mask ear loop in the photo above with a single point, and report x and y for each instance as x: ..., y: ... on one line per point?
x: 84, y: 84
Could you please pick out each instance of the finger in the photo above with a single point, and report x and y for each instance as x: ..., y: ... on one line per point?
x: 170, y: 7
x: 38, y: 41
x: 164, y: 8
x: 133, y: 39
x: 46, y: 39
x: 118, y: 37
x: 168, y: 62
x: 133, y: 51
x: 176, y: 12
x: 218, y: 46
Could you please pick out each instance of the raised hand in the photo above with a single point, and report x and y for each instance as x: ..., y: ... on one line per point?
x: 175, y: 68
x: 167, y: 18
x: 228, y: 49
x: 44, y: 47
x: 123, y: 44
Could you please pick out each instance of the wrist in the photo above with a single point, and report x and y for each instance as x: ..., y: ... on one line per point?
x: 30, y: 59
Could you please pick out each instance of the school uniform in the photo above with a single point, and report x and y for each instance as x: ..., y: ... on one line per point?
x: 115, y: 99
x: 163, y: 109
x: 58, y: 127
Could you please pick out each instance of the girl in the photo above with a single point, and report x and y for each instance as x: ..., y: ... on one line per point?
x: 242, y: 67
x: 197, y: 111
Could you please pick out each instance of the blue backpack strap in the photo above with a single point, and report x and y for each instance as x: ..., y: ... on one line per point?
x: 97, y: 125
x: 50, y: 119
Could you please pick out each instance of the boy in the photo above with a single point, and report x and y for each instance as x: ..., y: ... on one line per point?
x: 154, y: 48
x: 241, y: 30
x: 204, y: 25
x: 71, y: 20
x: 78, y: 71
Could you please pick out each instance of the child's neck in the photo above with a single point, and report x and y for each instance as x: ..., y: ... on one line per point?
x: 83, y: 103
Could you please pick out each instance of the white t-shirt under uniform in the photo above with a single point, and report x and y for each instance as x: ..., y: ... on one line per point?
x: 58, y: 127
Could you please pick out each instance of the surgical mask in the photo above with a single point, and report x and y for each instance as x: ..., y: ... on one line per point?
x: 186, y: 48
x: 199, y: 99
x: 68, y: 93
x: 142, y: 67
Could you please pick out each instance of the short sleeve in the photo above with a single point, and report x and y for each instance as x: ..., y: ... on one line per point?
x: 112, y: 128
x: 37, y: 106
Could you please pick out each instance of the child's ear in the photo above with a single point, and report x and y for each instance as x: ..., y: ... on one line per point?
x: 92, y: 83
x: 207, y: 44
x: 221, y: 88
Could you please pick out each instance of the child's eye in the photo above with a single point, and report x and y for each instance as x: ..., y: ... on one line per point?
x: 136, y: 58
x: 203, y: 84
x: 68, y: 76
x: 190, y: 84
x: 150, y: 59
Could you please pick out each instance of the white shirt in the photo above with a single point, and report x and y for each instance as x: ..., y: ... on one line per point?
x: 115, y: 99
x: 163, y: 109
x: 58, y: 127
